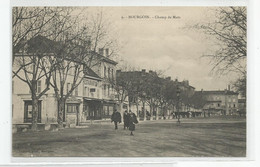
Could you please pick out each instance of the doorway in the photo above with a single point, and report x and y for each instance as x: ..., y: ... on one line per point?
x: 28, y: 111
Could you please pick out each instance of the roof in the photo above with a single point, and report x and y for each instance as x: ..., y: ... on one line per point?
x: 218, y: 92
x: 42, y: 44
x: 89, y: 72
x: 104, y: 58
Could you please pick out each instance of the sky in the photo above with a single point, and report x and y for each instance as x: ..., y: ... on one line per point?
x: 166, y: 44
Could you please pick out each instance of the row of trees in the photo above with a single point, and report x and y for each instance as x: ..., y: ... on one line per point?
x: 158, y: 92
x: 51, y: 43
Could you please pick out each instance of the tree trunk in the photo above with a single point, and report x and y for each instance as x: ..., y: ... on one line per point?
x: 34, y: 111
x: 61, y: 109
x: 157, y: 113
x: 137, y: 110
x: 163, y: 112
x: 151, y: 111
x: 121, y: 110
x: 144, y: 111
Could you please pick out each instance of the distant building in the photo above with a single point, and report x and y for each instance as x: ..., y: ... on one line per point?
x: 220, y: 102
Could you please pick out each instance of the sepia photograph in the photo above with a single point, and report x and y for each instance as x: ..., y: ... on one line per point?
x: 129, y: 81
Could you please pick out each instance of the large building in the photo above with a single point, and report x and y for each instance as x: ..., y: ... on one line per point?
x: 92, y: 99
x: 219, y: 102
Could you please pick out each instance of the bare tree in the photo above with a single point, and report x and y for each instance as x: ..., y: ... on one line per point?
x: 229, y: 30
x: 101, y: 36
x: 71, y: 48
x: 28, y: 22
x: 34, y: 67
x: 33, y: 53
x: 70, y: 69
x: 240, y: 85
x: 80, y: 41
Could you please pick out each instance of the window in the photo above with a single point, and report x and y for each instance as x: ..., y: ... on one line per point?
x: 108, y: 71
x: 105, y: 110
x: 38, y: 87
x: 218, y: 105
x: 72, y: 108
x: 112, y: 74
x: 110, y: 110
x: 76, y: 91
x: 85, y: 91
x: 105, y: 71
x: 108, y: 90
x: 105, y: 90
x: 234, y: 105
x: 68, y: 87
x: 39, y: 84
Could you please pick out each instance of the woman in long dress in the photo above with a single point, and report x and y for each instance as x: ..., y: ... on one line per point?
x: 132, y: 122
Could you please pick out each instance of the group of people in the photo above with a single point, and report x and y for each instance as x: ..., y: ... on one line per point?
x: 129, y: 120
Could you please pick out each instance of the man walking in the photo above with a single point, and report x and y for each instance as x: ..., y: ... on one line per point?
x: 116, y: 117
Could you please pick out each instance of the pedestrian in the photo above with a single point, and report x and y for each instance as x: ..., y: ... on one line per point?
x: 132, y: 122
x: 116, y: 118
x: 126, y: 119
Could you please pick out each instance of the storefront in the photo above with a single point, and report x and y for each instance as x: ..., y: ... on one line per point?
x: 97, y: 109
x: 108, y: 108
x: 92, y: 109
x: 73, y: 111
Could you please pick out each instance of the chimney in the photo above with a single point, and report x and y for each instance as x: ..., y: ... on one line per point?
x: 150, y: 71
x: 143, y: 70
x: 201, y: 90
x: 101, y: 51
x: 107, y: 52
x: 168, y: 78
x: 88, y: 42
x: 228, y: 87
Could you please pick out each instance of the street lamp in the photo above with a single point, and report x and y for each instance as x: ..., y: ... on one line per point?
x: 178, y: 101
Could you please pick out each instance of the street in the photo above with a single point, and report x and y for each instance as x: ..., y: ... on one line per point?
x: 195, y: 137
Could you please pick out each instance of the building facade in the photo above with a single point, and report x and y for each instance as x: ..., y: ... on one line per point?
x: 220, y: 102
x: 92, y: 99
